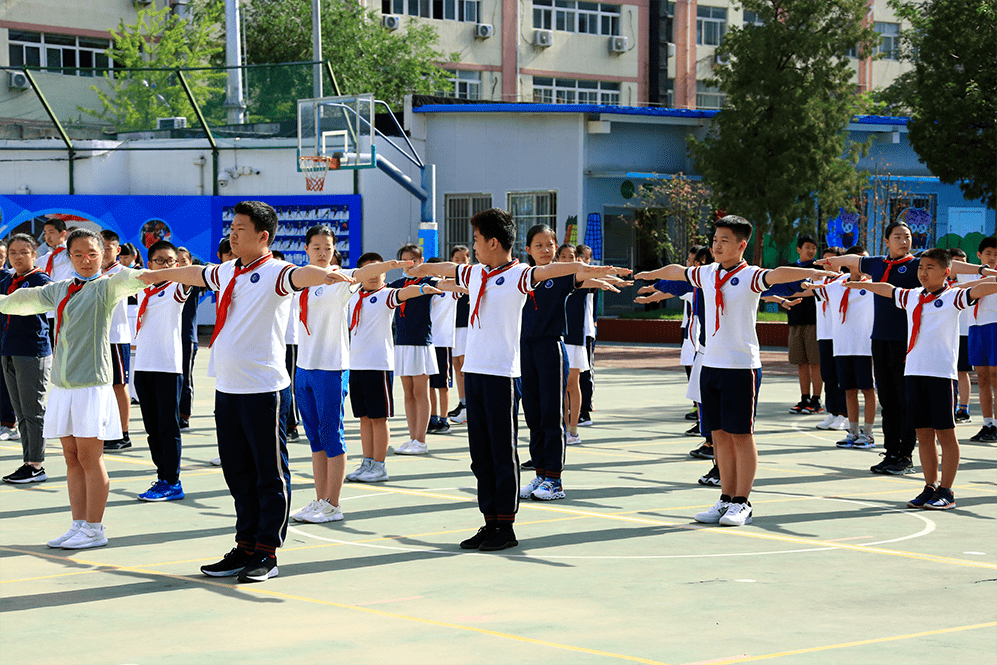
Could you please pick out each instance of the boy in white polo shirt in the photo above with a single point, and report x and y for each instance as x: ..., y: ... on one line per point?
x: 930, y: 370
x: 252, y: 388
x: 55, y: 261
x: 498, y: 288
x: 121, y: 343
x: 159, y: 372
x: 731, y: 370
x: 982, y: 346
x: 443, y: 313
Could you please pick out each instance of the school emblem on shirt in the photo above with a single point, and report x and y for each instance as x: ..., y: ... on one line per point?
x: 939, y: 303
x: 862, y: 292
x: 255, y: 278
x: 500, y: 281
x: 161, y: 294
x: 318, y: 291
x: 734, y: 281
x: 902, y: 269
x: 373, y: 299
x: 548, y: 284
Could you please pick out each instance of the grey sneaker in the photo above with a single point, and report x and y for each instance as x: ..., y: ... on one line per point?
x: 526, y: 490
x: 375, y: 473
x: 364, y: 465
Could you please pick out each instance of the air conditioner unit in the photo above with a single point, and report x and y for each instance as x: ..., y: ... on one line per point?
x: 618, y: 44
x: 543, y: 38
x: 18, y: 81
x: 483, y: 31
x: 671, y: 50
x: 391, y: 22
x: 721, y: 59
x: 171, y: 123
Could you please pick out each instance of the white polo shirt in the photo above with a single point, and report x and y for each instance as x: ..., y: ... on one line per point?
x: 443, y: 314
x: 936, y: 351
x: 326, y: 343
x: 372, y: 346
x: 120, y: 331
x: 852, y: 334
x: 734, y: 345
x: 824, y: 308
x: 62, y: 267
x: 291, y: 334
x: 986, y: 313
x: 157, y: 344
x: 493, y: 336
x: 966, y: 318
x: 248, y: 354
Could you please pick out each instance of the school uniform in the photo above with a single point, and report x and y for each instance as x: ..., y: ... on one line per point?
x: 688, y: 352
x: 291, y: 361
x: 965, y: 318
x: 414, y: 353
x: 253, y: 395
x: 159, y: 373
x: 491, y: 365
x: 834, y: 396
x: 586, y: 379
x: 460, y: 331
x: 120, y: 337
x: 443, y: 317
x: 323, y: 365
x: 731, y: 373
x: 56, y: 264
x: 695, y: 336
x: 544, y: 368
x: 889, y: 337
x: 932, y: 353
x: 188, y: 347
x: 372, y: 352
x: 851, y: 313
x: 574, y: 339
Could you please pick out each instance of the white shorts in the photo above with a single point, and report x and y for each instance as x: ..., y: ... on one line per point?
x: 692, y: 392
x: 688, y: 351
x: 84, y: 412
x: 415, y: 361
x: 460, y: 342
x: 578, y: 357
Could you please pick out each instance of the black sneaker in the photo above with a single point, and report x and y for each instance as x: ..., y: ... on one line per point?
x: 293, y: 435
x: 962, y: 417
x: 878, y: 468
x: 499, y: 538
x: 712, y: 478
x: 815, y: 405
x: 898, y: 467
x: 184, y: 425
x: 118, y: 444
x: 987, y: 434
x: 922, y: 498
x: 693, y: 431
x: 231, y: 564
x: 584, y: 419
x: 527, y: 465
x: 260, y: 568
x: 703, y: 452
x: 693, y: 415
x: 134, y: 402
x: 455, y: 412
x: 474, y: 542
x: 802, y: 408
x: 26, y: 474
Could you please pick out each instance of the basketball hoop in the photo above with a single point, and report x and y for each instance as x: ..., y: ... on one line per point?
x: 315, y: 167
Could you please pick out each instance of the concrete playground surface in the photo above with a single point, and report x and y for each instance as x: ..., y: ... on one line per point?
x: 834, y: 568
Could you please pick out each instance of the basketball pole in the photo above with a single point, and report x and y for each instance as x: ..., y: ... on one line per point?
x: 317, y: 48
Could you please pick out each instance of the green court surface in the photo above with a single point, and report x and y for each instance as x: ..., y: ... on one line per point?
x: 834, y: 568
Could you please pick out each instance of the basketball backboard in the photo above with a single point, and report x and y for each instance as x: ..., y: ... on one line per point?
x: 340, y: 127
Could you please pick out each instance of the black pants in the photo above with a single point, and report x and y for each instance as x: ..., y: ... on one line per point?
x: 587, y: 379
x: 834, y: 396
x: 159, y: 399
x: 544, y: 377
x: 888, y: 361
x: 252, y: 444
x: 491, y: 437
x: 291, y: 362
x: 187, y: 384
x: 7, y: 416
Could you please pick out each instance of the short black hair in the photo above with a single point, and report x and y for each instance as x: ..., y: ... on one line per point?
x: 277, y: 254
x: 23, y: 237
x: 834, y: 251
x: 694, y: 249
x: 434, y: 259
x: 82, y: 233
x: 161, y: 246
x: 369, y: 257
x: 942, y: 256
x: 224, y: 246
x: 59, y: 224
x: 410, y: 248
x: 262, y: 215
x: 987, y: 243
x: 890, y: 227
x: 110, y: 236
x: 459, y: 248
x: 704, y: 255
x: 957, y: 252
x: 804, y: 239
x: 320, y: 230
x: 582, y: 248
x: 565, y: 246
x: 184, y: 250
x: 856, y: 249
x: 496, y: 223
x: 739, y: 226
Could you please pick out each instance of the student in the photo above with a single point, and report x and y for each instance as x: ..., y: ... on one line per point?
x: 688, y: 352
x: 498, y: 287
x: 291, y: 361
x: 26, y: 357
x: 120, y: 335
x: 462, y: 256
x: 8, y: 419
x: 159, y: 372
x: 834, y: 395
x: 443, y: 315
x: 188, y: 343
x: 730, y: 375
x: 224, y: 255
x: 586, y: 380
x: 81, y: 406
x: 804, y: 351
x: 252, y: 388
x: 982, y: 343
x: 54, y: 261
x: 932, y: 313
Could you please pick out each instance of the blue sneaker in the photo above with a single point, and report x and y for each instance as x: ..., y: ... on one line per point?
x: 942, y: 499
x: 922, y: 498
x: 162, y: 491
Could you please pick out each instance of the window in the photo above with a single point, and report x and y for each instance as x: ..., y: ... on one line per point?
x: 448, y: 10
x: 711, y: 24
x: 752, y: 18
x: 573, y: 91
x: 60, y: 54
x: 668, y: 23
x: 466, y: 84
x: 529, y: 209
x: 458, y: 209
x: 709, y: 98
x: 591, y: 18
x: 889, y: 40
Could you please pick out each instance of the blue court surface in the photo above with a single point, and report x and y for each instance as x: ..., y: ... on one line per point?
x: 834, y: 569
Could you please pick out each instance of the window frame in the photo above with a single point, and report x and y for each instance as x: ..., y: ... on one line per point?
x: 536, y: 199
x: 548, y: 90
x: 710, y: 25
x: 585, y: 18
x: 67, y: 49
x: 457, y: 228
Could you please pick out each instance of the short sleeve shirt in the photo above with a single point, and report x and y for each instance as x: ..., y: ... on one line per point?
x: 544, y: 312
x: 851, y: 325
x: 371, y: 344
x: 121, y: 331
x: 413, y: 322
x: 936, y: 349
x: 890, y: 323
x: 733, y: 344
x: 443, y: 313
x: 157, y: 343
x: 325, y: 344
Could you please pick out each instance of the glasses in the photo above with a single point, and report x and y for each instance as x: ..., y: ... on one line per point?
x: 163, y: 262
x: 93, y: 256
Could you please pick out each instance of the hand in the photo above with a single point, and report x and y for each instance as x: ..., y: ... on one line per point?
x: 333, y: 276
x: 147, y: 277
x: 404, y: 265
x: 645, y: 300
x: 461, y: 289
x: 988, y: 272
x: 603, y: 285
x: 789, y: 304
x: 853, y: 284
x: 828, y: 274
x: 644, y: 275
x: 427, y: 290
x: 613, y: 279
x: 645, y: 290
x: 421, y: 270
x: 810, y: 286
x: 823, y: 262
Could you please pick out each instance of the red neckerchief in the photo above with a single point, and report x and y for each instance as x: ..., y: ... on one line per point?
x: 692, y: 315
x: 51, y: 259
x: 894, y: 262
x: 843, y: 307
x: 14, y: 283
x: 922, y: 300
x: 148, y: 292
x: 718, y: 285
x: 303, y: 310
x: 223, y: 304
x: 355, y: 319
x: 485, y: 276
x: 73, y: 288
x: 409, y: 281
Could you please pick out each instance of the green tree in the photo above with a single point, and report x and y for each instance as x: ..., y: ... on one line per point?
x: 364, y: 56
x: 777, y: 153
x: 950, y: 92
x: 671, y: 215
x: 159, y: 39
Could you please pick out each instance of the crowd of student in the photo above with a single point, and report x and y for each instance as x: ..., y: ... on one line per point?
x: 295, y: 342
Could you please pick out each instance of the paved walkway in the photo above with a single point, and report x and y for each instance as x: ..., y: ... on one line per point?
x: 834, y: 568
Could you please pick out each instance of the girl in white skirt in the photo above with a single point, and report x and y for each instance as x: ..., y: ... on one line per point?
x: 82, y: 411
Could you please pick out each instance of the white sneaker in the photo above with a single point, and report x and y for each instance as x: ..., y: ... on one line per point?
x: 57, y: 542
x: 375, y: 473
x: 828, y: 422
x: 400, y: 450
x: 5, y: 432
x: 738, y: 514
x: 460, y: 418
x: 713, y: 515
x: 526, y: 490
x: 864, y: 441
x: 324, y: 512
x: 573, y: 439
x: 364, y: 464
x: 549, y: 490
x: 306, y: 511
x: 85, y: 538
x: 847, y: 442
x: 14, y: 435
x: 841, y: 424
x: 216, y: 461
x: 414, y: 448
